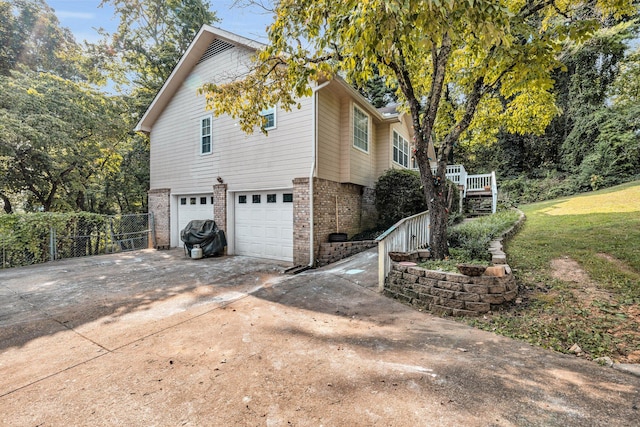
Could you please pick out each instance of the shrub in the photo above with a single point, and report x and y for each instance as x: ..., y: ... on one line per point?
x: 399, y: 194
x: 469, y: 241
x: 527, y: 190
x: 25, y: 238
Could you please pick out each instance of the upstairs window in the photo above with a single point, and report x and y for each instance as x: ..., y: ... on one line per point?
x: 400, y: 150
x: 205, y: 135
x: 269, y: 116
x: 360, y: 129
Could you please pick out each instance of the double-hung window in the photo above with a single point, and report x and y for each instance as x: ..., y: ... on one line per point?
x: 205, y: 134
x: 400, y: 150
x: 269, y: 118
x: 360, y: 129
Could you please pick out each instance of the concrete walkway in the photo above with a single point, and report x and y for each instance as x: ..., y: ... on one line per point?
x: 153, y: 338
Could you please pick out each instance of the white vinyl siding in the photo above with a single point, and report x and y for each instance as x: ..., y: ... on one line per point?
x: 244, y: 161
x: 400, y: 150
x: 329, y: 146
x: 206, y: 124
x: 383, y: 152
x: 360, y: 129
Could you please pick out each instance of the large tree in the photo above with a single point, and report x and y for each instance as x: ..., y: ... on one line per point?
x: 461, y: 66
x: 58, y: 139
x: 151, y: 37
x: 31, y: 36
x: 583, y: 89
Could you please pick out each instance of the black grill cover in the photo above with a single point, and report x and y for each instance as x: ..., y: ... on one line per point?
x: 204, y: 232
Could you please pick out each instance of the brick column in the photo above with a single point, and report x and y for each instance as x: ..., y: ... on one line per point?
x: 159, y: 206
x: 220, y: 206
x: 301, y: 221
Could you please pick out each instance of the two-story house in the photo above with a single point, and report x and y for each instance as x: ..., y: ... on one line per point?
x: 277, y: 196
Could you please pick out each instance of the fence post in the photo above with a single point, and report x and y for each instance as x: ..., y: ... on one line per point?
x: 107, y: 235
x: 152, y: 230
x: 382, y: 260
x: 52, y: 244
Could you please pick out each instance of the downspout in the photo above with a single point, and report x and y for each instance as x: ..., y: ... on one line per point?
x: 314, y: 150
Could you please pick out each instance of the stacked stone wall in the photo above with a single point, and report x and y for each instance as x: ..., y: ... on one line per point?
x: 449, y: 294
x: 332, y: 252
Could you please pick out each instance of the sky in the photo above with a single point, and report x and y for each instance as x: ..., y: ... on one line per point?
x: 82, y: 16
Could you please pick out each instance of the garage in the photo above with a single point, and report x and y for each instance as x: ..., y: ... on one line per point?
x: 190, y: 207
x: 264, y: 224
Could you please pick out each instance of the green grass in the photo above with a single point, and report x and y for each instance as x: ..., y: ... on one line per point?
x: 469, y: 241
x: 585, y: 227
x: 601, y: 310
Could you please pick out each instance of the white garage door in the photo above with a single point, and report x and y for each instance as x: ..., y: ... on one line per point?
x: 192, y: 207
x: 264, y: 224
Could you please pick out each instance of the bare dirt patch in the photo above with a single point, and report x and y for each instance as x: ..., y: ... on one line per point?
x: 568, y: 270
x: 619, y: 264
x: 603, y: 306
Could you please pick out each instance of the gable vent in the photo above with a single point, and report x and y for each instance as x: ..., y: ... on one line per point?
x: 218, y: 46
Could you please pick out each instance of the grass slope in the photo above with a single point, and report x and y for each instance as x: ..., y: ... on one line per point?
x: 577, y: 261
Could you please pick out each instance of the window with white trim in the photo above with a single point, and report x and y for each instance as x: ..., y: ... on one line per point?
x: 400, y: 150
x: 205, y: 134
x: 360, y: 129
x: 269, y: 116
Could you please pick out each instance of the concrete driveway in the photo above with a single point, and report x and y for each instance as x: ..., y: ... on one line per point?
x: 153, y: 338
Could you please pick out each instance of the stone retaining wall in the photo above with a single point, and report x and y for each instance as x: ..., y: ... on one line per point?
x: 332, y: 252
x: 449, y: 294
x: 452, y: 294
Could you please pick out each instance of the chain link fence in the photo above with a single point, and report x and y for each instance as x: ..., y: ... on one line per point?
x: 40, y: 238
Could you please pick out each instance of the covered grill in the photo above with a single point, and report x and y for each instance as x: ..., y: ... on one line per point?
x: 203, y: 234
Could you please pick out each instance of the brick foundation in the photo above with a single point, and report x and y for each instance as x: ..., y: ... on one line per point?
x: 337, y: 208
x: 329, y: 198
x: 369, y: 218
x: 159, y: 206
x: 449, y: 294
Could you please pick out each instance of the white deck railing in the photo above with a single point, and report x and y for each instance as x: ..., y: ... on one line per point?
x: 484, y: 183
x: 455, y: 173
x: 494, y: 193
x: 406, y: 235
x: 479, y: 182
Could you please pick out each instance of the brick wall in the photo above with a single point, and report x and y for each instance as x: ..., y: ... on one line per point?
x: 369, y: 212
x: 330, y: 196
x: 159, y: 205
x: 301, y: 223
x: 449, y: 294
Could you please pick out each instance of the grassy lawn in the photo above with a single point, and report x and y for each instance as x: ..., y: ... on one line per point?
x: 577, y: 261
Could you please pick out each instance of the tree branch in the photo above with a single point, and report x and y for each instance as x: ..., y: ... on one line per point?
x: 479, y: 89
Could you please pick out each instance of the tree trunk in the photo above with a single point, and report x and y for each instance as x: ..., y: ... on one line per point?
x: 439, y: 246
x: 435, y: 190
x: 7, y: 204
